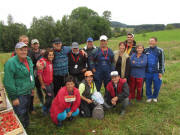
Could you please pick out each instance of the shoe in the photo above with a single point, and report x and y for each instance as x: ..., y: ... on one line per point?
x: 148, y: 100
x: 59, y: 124
x: 122, y: 112
x: 70, y: 118
x: 155, y: 100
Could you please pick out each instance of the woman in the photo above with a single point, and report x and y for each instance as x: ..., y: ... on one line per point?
x: 138, y: 66
x: 87, y: 87
x: 66, y: 103
x: 45, y: 76
x: 122, y: 62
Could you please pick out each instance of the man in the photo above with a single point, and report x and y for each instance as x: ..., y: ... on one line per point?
x: 117, y: 91
x: 88, y: 49
x: 155, y: 69
x: 130, y: 44
x: 101, y: 63
x: 77, y: 64
x: 35, y: 54
x: 19, y: 81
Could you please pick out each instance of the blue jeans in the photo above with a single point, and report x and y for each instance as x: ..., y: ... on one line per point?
x: 152, y: 78
x: 22, y: 109
x: 62, y: 116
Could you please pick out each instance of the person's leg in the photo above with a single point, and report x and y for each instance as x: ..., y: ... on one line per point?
x: 62, y: 116
x: 139, y: 84
x: 98, y: 78
x: 106, y: 78
x: 39, y: 91
x: 149, y: 78
x: 31, y: 107
x: 22, y: 109
x: 142, y: 88
x: 125, y: 103
x: 58, y: 83
x: 84, y: 109
x: 157, y: 85
x: 132, y: 88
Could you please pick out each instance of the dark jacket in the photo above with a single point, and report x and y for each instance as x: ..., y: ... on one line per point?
x: 133, y: 47
x: 35, y: 56
x: 155, y: 60
x: 122, y: 91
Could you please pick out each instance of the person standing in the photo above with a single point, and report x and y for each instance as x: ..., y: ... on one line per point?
x: 155, y: 69
x: 130, y: 44
x: 102, y: 63
x: 19, y: 82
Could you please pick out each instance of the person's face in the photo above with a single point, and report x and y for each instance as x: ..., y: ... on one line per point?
x: 89, y: 79
x: 130, y: 38
x: 103, y: 43
x: 75, y: 50
x: 115, y: 79
x: 70, y: 86
x: 122, y: 48
x: 51, y: 56
x: 89, y: 44
x: 140, y: 50
x: 22, y: 52
x: 152, y: 42
x: 35, y: 46
x: 25, y: 40
x: 57, y: 46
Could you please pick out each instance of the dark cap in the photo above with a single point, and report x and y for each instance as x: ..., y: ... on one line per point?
x: 57, y: 40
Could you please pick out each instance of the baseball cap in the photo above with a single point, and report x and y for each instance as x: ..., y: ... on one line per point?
x: 90, y: 39
x: 75, y: 45
x: 20, y: 45
x: 103, y: 37
x: 33, y: 41
x: 88, y: 73
x: 57, y: 41
x: 114, y: 73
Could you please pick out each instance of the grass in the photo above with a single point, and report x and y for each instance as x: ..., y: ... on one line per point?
x: 162, y: 118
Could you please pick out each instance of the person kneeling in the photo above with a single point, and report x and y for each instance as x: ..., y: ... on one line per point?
x: 117, y: 91
x: 66, y: 103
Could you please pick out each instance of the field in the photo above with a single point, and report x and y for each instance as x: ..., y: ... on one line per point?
x: 162, y: 118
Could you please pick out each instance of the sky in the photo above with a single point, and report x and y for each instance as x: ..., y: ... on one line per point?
x: 131, y: 12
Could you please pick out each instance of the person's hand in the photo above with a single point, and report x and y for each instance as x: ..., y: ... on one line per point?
x: 39, y: 65
x: 43, y: 87
x: 69, y: 114
x: 94, y: 70
x: 160, y: 75
x: 84, y: 53
x: 115, y: 99
x: 89, y: 101
x: 15, y: 102
x: 83, y: 70
x: 113, y: 103
x: 32, y: 93
x: 133, y: 62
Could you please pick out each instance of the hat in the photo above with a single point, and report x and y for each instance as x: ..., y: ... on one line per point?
x: 103, y: 37
x: 57, y: 41
x: 114, y: 73
x: 88, y: 73
x: 75, y: 45
x: 90, y: 39
x: 20, y: 45
x: 131, y: 34
x: 33, y: 41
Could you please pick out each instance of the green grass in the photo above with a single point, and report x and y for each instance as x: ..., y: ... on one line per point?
x: 161, y: 118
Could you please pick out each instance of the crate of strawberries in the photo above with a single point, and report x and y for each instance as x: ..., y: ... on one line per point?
x: 3, y: 104
x: 9, y: 123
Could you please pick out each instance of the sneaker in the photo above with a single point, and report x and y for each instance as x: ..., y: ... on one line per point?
x: 148, y: 100
x: 122, y: 112
x: 59, y: 124
x: 155, y: 100
x: 70, y: 118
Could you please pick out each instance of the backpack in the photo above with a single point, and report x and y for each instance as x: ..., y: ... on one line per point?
x: 98, y: 112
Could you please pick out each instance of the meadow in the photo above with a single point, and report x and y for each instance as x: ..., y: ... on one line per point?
x: 162, y: 118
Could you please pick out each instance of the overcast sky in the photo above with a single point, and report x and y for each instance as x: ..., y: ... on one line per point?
x: 132, y: 12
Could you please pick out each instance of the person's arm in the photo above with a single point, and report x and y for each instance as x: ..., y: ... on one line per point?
x: 39, y: 73
x: 92, y: 59
x: 161, y: 59
x: 139, y: 64
x: 128, y: 68
x: 81, y: 90
x: 107, y: 97
x: 77, y: 102
x: 125, y: 92
x: 112, y: 61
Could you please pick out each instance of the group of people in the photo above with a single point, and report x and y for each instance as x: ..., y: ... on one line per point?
x: 71, y: 78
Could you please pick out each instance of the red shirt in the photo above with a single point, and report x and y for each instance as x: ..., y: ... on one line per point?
x: 47, y: 71
x: 25, y: 62
x: 59, y: 104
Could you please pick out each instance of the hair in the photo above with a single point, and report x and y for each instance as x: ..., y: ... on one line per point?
x: 130, y: 34
x: 155, y: 38
x: 48, y: 50
x: 22, y: 36
x: 140, y: 45
x: 69, y: 78
x: 120, y: 43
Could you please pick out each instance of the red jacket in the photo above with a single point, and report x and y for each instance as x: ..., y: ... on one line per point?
x: 110, y: 87
x: 47, y: 71
x: 59, y: 104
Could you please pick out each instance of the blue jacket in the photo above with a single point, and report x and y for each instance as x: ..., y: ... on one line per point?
x: 60, y: 62
x: 138, y: 68
x: 155, y: 60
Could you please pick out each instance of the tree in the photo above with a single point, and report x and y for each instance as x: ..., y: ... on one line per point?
x: 169, y: 27
x: 107, y: 15
x: 10, y: 19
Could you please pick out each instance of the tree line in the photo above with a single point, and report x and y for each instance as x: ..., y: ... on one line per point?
x: 78, y: 26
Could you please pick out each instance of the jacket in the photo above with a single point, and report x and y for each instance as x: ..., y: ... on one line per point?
x: 155, y: 60
x: 59, y: 104
x: 133, y: 50
x: 17, y: 79
x: 138, y: 68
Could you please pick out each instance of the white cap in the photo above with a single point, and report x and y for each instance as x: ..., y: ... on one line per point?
x: 103, y: 37
x: 34, y: 41
x: 114, y: 73
x: 20, y: 45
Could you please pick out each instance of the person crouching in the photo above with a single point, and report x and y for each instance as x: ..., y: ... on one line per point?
x: 66, y: 103
x: 117, y: 91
